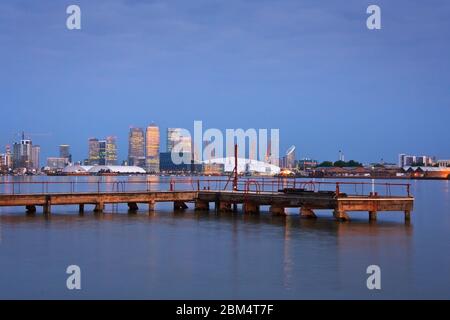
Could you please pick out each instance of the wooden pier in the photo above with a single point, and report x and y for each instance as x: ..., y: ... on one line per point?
x: 297, y: 194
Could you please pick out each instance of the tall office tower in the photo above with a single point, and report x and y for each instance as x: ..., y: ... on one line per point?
x: 401, y: 160
x: 64, y: 152
x: 179, y: 137
x: 8, y: 157
x: 152, y: 149
x: 94, y: 152
x: 290, y: 158
x: 22, y: 155
x: 102, y: 152
x: 111, y: 151
x: 35, y: 157
x: 2, y: 162
x: 136, y: 147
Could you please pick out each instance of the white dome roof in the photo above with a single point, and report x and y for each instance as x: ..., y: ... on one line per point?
x: 245, y: 165
x: 117, y: 169
x: 96, y: 169
x: 76, y: 169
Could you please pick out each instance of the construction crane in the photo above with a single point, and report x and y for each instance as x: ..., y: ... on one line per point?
x: 28, y: 135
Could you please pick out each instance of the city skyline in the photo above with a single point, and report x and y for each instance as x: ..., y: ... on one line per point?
x: 315, y: 72
x: 106, y: 151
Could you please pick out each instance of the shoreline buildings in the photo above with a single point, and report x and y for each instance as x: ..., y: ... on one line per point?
x: 405, y: 160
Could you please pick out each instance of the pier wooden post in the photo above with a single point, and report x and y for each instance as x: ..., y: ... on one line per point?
x: 81, y: 208
x: 201, y: 205
x: 251, y: 208
x: 407, y: 215
x: 99, y: 207
x: 47, y: 208
x: 277, y: 210
x: 151, y: 206
x: 341, y: 215
x: 48, y: 205
x: 372, y: 215
x: 179, y: 206
x: 307, y: 213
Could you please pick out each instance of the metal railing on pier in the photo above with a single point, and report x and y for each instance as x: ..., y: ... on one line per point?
x: 245, y: 184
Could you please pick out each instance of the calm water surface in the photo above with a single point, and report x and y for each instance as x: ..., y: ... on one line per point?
x: 192, y: 255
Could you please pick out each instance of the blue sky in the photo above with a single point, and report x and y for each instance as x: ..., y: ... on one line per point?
x: 310, y: 68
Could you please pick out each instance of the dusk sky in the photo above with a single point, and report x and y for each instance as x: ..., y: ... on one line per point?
x: 310, y: 68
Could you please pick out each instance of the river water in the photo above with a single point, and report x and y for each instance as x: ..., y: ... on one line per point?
x: 191, y: 255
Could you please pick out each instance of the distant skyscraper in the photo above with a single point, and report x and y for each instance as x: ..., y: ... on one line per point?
x: 111, y: 151
x: 2, y: 162
x: 136, y: 147
x: 180, y: 138
x: 102, y: 152
x: 8, y: 157
x: 64, y: 152
x: 290, y: 158
x: 94, y: 152
x: 22, y: 154
x: 35, y: 157
x: 152, y: 149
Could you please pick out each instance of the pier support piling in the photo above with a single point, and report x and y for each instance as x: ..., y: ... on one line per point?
x: 307, y: 213
x: 341, y: 215
x: 201, y: 205
x: 132, y: 207
x: 407, y: 215
x: 151, y: 206
x: 224, y: 206
x: 99, y: 207
x: 277, y: 210
x: 372, y: 215
x: 179, y: 206
x: 81, y: 209
x: 47, y: 209
x: 31, y: 209
x: 251, y: 208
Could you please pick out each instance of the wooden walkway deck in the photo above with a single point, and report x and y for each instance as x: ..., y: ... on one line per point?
x: 224, y: 200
